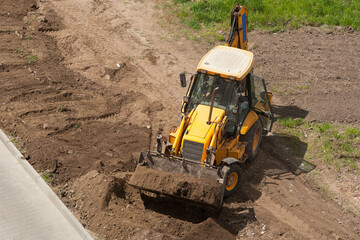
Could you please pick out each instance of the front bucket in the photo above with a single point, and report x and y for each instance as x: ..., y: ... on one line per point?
x: 186, y: 180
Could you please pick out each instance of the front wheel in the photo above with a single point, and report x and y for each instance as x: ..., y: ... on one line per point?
x: 231, y: 179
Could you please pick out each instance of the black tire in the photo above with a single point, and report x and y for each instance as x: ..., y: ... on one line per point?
x: 232, y: 179
x: 253, y: 140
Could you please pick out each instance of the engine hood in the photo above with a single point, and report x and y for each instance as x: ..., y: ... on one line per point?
x: 198, y: 130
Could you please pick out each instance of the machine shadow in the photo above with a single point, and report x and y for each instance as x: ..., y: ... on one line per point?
x: 176, y: 208
x: 289, y: 111
x: 196, y: 213
x: 280, y: 156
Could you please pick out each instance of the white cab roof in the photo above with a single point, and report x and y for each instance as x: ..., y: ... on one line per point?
x: 228, y: 62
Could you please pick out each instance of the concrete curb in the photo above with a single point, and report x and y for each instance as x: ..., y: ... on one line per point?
x: 45, y: 188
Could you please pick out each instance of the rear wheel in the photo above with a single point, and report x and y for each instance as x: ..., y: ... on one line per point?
x: 253, y: 140
x: 232, y: 179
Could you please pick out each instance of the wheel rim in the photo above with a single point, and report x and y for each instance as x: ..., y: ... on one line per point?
x: 231, y: 181
x: 256, y: 139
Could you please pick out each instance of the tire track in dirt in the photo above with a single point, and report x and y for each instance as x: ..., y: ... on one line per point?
x: 283, y: 214
x: 292, y: 198
x: 119, y: 36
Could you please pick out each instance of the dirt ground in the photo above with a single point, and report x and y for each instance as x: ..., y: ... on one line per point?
x: 87, y: 84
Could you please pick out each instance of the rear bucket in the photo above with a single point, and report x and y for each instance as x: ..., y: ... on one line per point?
x: 186, y: 180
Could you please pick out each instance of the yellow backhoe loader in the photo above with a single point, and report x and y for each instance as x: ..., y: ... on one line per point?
x: 225, y: 112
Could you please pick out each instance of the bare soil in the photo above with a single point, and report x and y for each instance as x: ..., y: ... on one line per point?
x: 86, y: 85
x: 313, y: 72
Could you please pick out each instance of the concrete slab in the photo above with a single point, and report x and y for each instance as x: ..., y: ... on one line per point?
x: 29, y: 209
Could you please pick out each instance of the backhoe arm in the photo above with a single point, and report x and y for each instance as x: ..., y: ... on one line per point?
x: 238, y: 32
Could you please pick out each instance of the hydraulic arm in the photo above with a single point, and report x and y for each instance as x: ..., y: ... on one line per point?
x: 238, y: 32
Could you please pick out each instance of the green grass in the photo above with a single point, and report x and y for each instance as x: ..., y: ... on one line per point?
x: 290, y: 122
x: 269, y: 14
x: 27, y: 37
x: 18, y: 51
x: 338, y: 146
x: 46, y: 177
x: 322, y: 127
x: 324, y: 188
x: 61, y: 109
x: 352, y: 133
x: 32, y: 58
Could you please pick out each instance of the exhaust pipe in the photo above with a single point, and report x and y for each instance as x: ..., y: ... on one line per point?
x: 212, y: 104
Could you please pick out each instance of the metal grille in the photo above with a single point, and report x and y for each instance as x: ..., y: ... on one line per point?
x: 192, y: 150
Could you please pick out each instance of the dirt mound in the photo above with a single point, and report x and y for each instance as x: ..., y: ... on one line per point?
x: 198, y: 190
x: 95, y: 190
x: 102, y: 202
x: 215, y: 231
x: 108, y: 205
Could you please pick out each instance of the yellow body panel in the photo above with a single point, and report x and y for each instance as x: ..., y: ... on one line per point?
x: 198, y: 130
x: 180, y: 132
x: 197, y: 124
x: 173, y: 133
x: 260, y: 106
x: 238, y: 151
x: 249, y: 121
x: 270, y: 96
x: 221, y: 153
x: 177, y: 140
x: 224, y: 150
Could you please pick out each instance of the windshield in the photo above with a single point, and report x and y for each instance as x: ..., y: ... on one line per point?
x: 203, y: 86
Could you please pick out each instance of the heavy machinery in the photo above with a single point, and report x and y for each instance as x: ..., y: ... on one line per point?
x: 225, y: 112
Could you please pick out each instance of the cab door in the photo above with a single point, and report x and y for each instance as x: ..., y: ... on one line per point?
x: 261, y: 101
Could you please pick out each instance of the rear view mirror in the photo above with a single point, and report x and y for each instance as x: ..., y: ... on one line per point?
x: 186, y: 99
x: 183, y: 79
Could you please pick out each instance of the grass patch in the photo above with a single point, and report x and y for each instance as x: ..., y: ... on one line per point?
x: 324, y: 188
x: 32, y: 58
x: 46, y: 177
x: 338, y: 146
x: 270, y: 15
x: 290, y: 122
x: 352, y: 133
x: 27, y: 37
x: 322, y: 127
x: 18, y: 51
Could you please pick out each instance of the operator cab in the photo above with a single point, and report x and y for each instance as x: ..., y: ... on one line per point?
x: 229, y: 70
x: 204, y: 85
x: 226, y: 97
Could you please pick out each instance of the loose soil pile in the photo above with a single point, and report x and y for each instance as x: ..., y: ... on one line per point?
x: 86, y: 85
x: 198, y: 190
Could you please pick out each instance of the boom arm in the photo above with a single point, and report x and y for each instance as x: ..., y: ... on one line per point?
x: 238, y: 32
